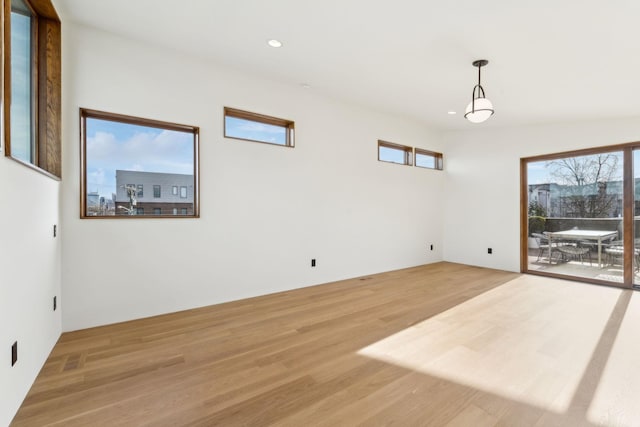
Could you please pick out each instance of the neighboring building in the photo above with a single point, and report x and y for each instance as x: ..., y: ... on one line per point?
x: 93, y: 199
x: 541, y: 194
x: 596, y: 200
x: 156, y: 193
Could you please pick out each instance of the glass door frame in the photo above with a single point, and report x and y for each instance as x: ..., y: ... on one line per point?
x: 628, y: 212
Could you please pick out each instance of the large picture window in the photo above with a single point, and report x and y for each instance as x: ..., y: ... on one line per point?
x: 121, y: 155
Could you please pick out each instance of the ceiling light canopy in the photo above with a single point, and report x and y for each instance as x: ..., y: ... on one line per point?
x: 274, y: 43
x: 480, y: 108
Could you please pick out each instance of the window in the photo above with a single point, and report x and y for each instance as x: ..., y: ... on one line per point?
x: 32, y: 75
x: 175, y: 211
x: 118, y: 150
x: 22, y: 119
x: 183, y: 211
x: 428, y: 159
x: 174, y: 190
x: 183, y: 192
x: 394, y: 153
x: 579, y: 216
x: 248, y: 126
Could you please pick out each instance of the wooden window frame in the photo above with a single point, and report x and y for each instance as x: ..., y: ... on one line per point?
x: 436, y: 156
x: 289, y: 125
x: 47, y: 86
x: 408, y: 152
x: 86, y: 113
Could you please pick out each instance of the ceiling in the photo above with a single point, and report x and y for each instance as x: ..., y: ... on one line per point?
x: 549, y: 60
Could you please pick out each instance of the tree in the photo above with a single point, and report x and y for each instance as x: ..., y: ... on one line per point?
x: 584, y: 181
x: 536, y: 209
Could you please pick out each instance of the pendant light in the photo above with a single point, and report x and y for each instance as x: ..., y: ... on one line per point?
x: 480, y: 108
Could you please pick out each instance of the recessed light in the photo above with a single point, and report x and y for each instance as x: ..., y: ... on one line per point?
x: 274, y: 43
x: 451, y: 113
x: 306, y: 85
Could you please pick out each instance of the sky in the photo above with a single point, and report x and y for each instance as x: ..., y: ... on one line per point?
x: 20, y: 115
x: 247, y: 129
x: 114, y: 145
x: 539, y: 172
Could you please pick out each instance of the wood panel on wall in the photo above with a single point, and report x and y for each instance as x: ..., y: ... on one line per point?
x: 49, y: 83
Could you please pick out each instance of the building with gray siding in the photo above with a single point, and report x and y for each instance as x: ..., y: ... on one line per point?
x: 156, y: 193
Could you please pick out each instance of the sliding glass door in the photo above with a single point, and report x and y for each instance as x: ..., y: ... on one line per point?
x: 579, y: 215
x: 636, y: 216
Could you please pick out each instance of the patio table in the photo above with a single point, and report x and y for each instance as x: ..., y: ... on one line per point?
x: 597, y: 235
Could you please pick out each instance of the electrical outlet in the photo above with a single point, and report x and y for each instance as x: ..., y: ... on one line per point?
x: 313, y: 262
x: 55, y: 230
x: 55, y: 303
x: 489, y: 250
x: 14, y: 353
x: 431, y: 247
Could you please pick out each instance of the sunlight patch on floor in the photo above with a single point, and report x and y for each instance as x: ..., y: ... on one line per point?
x: 616, y: 399
x: 529, y: 340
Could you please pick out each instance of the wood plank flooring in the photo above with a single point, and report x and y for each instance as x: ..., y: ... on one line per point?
x: 443, y: 345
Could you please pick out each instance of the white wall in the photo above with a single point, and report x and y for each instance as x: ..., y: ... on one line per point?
x: 29, y: 278
x: 482, y: 188
x: 265, y: 210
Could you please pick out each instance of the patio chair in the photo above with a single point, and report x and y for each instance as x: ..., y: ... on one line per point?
x: 615, y: 251
x: 576, y: 252
x: 543, y: 245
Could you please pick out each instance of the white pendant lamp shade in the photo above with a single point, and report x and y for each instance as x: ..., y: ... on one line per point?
x: 479, y: 110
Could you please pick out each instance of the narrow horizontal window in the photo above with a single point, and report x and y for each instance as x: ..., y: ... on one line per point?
x: 122, y: 155
x: 249, y: 126
x: 428, y: 159
x: 395, y: 153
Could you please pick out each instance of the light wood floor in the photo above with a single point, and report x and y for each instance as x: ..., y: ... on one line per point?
x: 441, y: 345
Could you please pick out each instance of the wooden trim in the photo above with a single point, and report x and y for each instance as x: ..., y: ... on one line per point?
x: 524, y: 217
x: 48, y: 126
x: 583, y: 152
x: 83, y: 163
x: 6, y: 73
x: 438, y: 158
x: 259, y: 142
x: 408, y: 152
x: 256, y: 117
x: 121, y: 118
x: 628, y: 197
x: 575, y: 278
x: 44, y: 9
x: 196, y: 171
x: 289, y: 125
x: 628, y: 210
